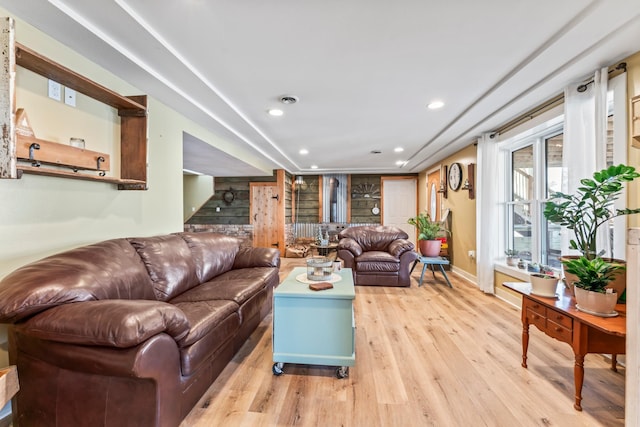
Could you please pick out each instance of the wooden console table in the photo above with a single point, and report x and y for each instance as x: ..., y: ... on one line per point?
x: 560, y: 319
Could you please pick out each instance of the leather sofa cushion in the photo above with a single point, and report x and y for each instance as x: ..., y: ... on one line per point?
x: 211, y: 262
x: 236, y: 290
x: 377, y: 261
x: 204, y: 317
x: 192, y: 357
x: 113, y: 323
x: 266, y: 274
x: 213, y: 323
x: 106, y: 270
x: 257, y: 257
x: 169, y: 263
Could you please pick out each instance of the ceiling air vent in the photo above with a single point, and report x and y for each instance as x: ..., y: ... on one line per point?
x: 288, y: 99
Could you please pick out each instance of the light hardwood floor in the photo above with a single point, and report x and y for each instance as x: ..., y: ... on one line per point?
x: 425, y: 356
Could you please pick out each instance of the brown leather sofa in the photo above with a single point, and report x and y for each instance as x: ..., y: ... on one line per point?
x: 378, y: 255
x: 131, y: 332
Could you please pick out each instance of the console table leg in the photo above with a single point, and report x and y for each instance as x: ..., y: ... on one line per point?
x: 614, y: 362
x: 578, y: 373
x: 525, y: 340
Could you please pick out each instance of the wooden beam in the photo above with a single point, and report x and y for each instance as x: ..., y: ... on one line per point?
x: 8, y: 384
x: 7, y: 99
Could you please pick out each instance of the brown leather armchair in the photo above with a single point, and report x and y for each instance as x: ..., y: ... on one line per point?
x: 377, y: 255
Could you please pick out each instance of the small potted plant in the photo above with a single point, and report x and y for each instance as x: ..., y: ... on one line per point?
x: 428, y: 230
x: 544, y: 284
x: 584, y: 212
x: 512, y: 257
x: 593, y: 290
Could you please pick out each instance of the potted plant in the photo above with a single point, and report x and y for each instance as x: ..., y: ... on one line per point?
x: 512, y: 257
x: 584, y: 212
x: 544, y: 284
x: 593, y: 292
x: 428, y: 230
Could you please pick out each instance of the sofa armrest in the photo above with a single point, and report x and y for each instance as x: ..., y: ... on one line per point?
x: 111, y: 323
x: 350, y: 245
x: 257, y: 257
x: 400, y: 246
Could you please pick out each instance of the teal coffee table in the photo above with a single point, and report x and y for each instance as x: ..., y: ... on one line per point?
x: 314, y: 327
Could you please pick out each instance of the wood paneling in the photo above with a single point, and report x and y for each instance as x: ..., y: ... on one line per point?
x: 361, y: 205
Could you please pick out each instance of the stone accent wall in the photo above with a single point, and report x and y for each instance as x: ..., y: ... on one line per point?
x: 244, y: 232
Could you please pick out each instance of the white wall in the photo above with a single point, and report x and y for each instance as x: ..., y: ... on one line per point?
x: 197, y: 190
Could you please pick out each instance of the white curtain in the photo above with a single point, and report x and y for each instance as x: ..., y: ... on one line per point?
x: 585, y: 141
x: 489, y: 214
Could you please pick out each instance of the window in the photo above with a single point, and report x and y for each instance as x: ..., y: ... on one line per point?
x: 535, y: 163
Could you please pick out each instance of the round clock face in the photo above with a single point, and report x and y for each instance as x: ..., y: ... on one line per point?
x: 455, y: 176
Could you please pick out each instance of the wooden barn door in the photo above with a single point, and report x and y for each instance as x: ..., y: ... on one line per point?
x: 264, y: 213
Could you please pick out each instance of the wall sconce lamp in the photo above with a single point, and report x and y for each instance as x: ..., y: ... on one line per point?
x: 442, y: 189
x: 470, y: 181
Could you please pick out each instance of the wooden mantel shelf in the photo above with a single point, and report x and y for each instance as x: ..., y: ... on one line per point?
x: 39, y: 64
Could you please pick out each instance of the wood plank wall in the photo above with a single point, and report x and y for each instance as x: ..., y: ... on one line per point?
x: 236, y: 212
x: 362, y: 186
x: 308, y: 211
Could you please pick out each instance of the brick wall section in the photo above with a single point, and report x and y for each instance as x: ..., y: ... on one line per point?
x: 244, y: 232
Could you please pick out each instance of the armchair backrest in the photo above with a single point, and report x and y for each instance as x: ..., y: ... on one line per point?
x: 374, y: 237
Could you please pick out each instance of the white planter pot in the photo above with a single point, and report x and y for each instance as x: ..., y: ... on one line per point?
x: 543, y: 286
x: 512, y: 261
x: 595, y: 303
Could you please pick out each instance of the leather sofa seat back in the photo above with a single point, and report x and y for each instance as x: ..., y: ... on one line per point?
x: 107, y: 270
x: 169, y: 264
x: 374, y: 238
x: 211, y: 263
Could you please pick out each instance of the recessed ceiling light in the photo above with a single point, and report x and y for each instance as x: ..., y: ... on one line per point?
x: 398, y: 149
x: 400, y: 162
x: 275, y: 112
x: 434, y: 105
x: 304, y: 151
x: 314, y: 166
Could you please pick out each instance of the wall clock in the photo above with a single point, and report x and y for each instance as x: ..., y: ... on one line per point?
x: 455, y: 176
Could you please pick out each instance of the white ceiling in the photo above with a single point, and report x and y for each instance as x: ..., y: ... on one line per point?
x: 363, y: 70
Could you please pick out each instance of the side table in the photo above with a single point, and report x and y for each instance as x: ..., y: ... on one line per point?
x: 325, y: 250
x: 439, y: 261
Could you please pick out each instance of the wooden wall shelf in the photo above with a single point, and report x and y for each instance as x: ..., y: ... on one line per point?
x: 131, y: 109
x: 60, y: 173
x: 57, y: 154
x: 39, y: 64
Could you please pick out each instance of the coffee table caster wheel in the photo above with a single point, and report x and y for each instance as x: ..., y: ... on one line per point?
x: 342, y: 372
x: 277, y: 368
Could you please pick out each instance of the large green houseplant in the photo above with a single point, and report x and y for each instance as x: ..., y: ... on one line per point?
x: 583, y: 212
x: 428, y: 230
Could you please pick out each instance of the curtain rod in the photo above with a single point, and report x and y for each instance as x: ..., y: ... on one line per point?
x: 621, y: 66
x: 557, y: 100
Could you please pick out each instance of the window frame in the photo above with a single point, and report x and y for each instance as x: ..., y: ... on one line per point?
x: 536, y: 138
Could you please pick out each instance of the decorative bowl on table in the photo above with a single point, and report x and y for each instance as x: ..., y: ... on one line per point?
x: 319, y: 268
